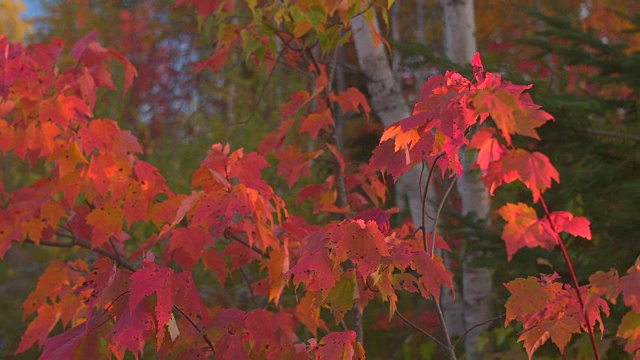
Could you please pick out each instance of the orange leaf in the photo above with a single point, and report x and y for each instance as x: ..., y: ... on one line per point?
x: 316, y: 121
x: 524, y: 229
x: 294, y: 162
x: 39, y: 328
x: 107, y: 221
x: 558, y: 330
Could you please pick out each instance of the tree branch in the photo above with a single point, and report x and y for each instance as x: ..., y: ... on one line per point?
x: 475, y: 326
x: 416, y: 327
x: 204, y: 336
x: 241, y: 241
x: 76, y: 241
x: 565, y: 254
x: 119, y: 259
x: 435, y: 221
x: 613, y: 134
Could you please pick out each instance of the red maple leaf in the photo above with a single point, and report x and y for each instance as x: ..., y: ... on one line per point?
x: 294, y: 162
x: 220, y: 208
x: 213, y: 261
x: 56, y: 276
x: 386, y: 159
x: 490, y: 147
x: 574, y: 225
x: 106, y: 221
x: 524, y: 229
x: 358, y: 241
x: 278, y: 265
x: 63, y: 109
x: 340, y: 345
x: 97, y: 282
x: 83, y: 341
x: 156, y: 279
x: 314, y: 122
x: 186, y: 245
x: 298, y: 100
x: 133, y: 329
x: 528, y: 296
x: 240, y: 255
x: 630, y: 285
x: 215, y: 61
x: 510, y: 115
x: 433, y: 274
x: 314, y: 267
x: 350, y: 100
x: 533, y: 169
x: 247, y: 167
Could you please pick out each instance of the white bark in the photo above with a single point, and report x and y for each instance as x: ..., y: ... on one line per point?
x: 459, y: 30
x: 460, y: 46
x: 385, y: 99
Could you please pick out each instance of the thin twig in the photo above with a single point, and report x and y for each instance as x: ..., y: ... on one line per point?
x: 248, y: 283
x: 416, y: 327
x: 204, y: 336
x: 435, y: 222
x: 75, y: 241
x: 424, y: 198
x: 614, y: 134
x: 475, y: 326
x: 261, y: 94
x: 572, y: 272
x: 241, y: 241
x: 443, y: 323
x: 115, y: 249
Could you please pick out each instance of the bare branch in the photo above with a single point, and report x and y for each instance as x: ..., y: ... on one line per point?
x: 76, y: 241
x: 435, y: 222
x: 477, y: 325
x: 416, y: 327
x: 614, y: 134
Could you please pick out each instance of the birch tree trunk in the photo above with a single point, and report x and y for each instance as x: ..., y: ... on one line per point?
x: 385, y: 99
x: 387, y: 102
x: 460, y: 46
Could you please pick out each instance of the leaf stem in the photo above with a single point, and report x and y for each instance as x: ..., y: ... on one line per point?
x: 565, y: 254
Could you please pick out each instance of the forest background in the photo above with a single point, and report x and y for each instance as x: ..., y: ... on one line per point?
x: 581, y: 57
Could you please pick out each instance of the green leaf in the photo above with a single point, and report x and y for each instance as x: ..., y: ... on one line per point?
x: 341, y: 297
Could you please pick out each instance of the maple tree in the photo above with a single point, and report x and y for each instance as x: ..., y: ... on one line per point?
x: 125, y: 300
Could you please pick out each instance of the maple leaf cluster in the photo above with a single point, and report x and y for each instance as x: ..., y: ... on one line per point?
x: 550, y: 310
